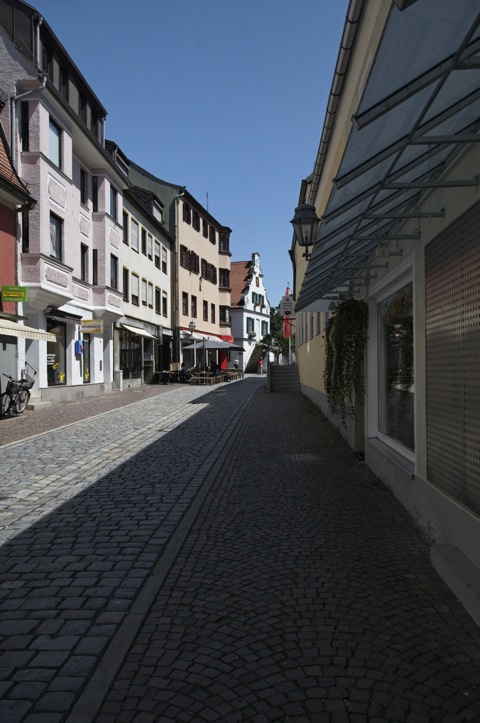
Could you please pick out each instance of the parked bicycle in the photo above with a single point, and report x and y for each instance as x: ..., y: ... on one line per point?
x: 16, y: 395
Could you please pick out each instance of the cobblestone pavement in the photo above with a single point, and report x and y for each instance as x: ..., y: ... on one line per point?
x: 220, y: 556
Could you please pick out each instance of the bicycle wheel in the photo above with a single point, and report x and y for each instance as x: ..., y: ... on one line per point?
x: 4, y: 403
x: 21, y: 401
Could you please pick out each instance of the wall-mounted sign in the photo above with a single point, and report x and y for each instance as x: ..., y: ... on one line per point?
x: 91, y: 326
x: 15, y: 293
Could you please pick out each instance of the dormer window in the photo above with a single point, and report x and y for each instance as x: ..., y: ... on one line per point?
x: 158, y: 212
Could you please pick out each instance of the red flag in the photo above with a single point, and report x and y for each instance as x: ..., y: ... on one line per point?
x: 286, y: 327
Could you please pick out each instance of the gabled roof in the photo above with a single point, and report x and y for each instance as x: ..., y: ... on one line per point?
x: 419, y: 110
x: 240, y: 277
x: 10, y: 182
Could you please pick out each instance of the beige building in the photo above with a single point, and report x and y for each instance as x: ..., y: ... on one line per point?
x: 395, y: 184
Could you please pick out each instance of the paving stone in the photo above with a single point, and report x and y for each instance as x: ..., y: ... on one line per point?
x: 301, y: 588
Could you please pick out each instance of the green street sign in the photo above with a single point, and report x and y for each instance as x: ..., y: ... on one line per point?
x: 15, y: 293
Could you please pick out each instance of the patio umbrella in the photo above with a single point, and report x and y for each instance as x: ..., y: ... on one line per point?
x: 214, y: 344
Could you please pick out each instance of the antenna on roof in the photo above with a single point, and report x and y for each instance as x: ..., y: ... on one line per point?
x: 207, y: 200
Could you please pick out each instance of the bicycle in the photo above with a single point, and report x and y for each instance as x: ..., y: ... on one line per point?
x: 16, y: 396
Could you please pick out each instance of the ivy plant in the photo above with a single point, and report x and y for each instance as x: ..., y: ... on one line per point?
x: 346, y: 337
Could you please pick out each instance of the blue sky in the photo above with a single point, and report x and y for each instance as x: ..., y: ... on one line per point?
x: 225, y: 97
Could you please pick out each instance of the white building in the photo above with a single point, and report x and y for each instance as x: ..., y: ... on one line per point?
x: 69, y: 251
x: 250, y: 311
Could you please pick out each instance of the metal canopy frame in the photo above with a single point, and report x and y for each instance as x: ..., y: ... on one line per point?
x: 408, y: 138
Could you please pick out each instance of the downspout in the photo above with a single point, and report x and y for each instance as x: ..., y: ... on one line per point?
x: 346, y: 46
x: 175, y: 289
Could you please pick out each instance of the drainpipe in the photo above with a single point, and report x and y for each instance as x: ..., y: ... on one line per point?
x: 346, y: 46
x: 176, y: 291
x: 42, y: 77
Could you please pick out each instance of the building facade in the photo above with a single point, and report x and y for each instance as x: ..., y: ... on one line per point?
x: 68, y: 247
x: 201, y: 269
x: 250, y: 311
x: 395, y: 183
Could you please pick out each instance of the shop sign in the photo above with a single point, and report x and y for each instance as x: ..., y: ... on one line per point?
x: 15, y: 293
x: 91, y: 326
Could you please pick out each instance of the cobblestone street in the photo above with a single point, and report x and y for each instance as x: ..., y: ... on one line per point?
x: 217, y: 556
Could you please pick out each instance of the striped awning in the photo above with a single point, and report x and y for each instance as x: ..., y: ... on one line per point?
x: 12, y: 328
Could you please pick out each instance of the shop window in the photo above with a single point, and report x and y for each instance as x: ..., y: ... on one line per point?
x: 56, y: 353
x: 130, y: 354
x: 395, y: 367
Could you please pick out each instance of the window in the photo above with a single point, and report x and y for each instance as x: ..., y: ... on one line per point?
x: 95, y: 193
x: 55, y: 143
x: 95, y: 267
x: 126, y: 278
x: 113, y: 202
x: 113, y: 271
x: 144, y: 241
x: 25, y: 232
x: 196, y: 221
x: 25, y: 126
x: 150, y: 295
x: 250, y: 324
x: 144, y: 292
x: 194, y: 306
x: 164, y: 303
x: 164, y: 260
x: 64, y: 83
x: 224, y: 315
x: 82, y: 107
x: 224, y: 278
x: 213, y: 235
x: 134, y: 234
x: 205, y: 228
x: 157, y: 300
x: 264, y: 328
x: 83, y: 262
x: 395, y: 366
x: 157, y: 254
x: 224, y: 243
x: 184, y: 257
x: 150, y: 246
x: 157, y: 212
x: 135, y: 289
x: 125, y: 228
x: 83, y: 187
x: 212, y: 313
x: 57, y: 353
x: 184, y: 303
x: 187, y: 215
x: 56, y: 237
x: 205, y: 310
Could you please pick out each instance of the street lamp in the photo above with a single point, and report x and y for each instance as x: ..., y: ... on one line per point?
x: 305, y: 225
x: 192, y: 327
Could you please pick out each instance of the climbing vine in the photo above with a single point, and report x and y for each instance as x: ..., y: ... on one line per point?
x: 346, y: 336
